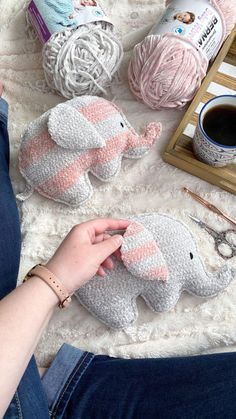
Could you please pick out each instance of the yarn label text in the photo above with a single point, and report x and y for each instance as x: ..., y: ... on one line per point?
x: 197, y: 22
x: 50, y: 16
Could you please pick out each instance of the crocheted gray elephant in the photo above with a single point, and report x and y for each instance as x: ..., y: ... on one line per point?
x: 159, y: 261
x: 85, y: 134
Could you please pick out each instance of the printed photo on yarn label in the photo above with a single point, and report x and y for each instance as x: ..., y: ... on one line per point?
x: 51, y: 16
x: 197, y: 21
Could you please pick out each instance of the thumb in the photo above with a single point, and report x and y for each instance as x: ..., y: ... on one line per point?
x: 107, y: 247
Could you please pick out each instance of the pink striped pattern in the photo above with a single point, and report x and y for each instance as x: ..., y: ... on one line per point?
x: 66, y: 177
x: 39, y: 146
x: 98, y: 111
x: 35, y: 149
x: 70, y: 174
x: 141, y: 254
x: 134, y: 229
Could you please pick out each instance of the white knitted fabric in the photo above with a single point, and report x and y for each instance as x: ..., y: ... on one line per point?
x: 194, y: 326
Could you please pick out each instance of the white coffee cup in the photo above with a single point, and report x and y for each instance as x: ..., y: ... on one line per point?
x: 205, y: 148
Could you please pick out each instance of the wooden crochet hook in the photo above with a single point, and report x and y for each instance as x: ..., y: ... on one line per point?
x: 210, y: 206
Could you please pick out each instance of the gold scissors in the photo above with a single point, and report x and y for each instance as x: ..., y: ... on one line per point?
x: 225, y: 241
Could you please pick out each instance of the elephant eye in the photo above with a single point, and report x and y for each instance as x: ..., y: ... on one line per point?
x: 191, y: 255
x: 122, y: 124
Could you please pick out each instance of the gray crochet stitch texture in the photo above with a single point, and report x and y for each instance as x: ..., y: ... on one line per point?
x: 112, y: 299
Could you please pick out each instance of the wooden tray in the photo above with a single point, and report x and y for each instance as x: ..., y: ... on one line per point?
x: 220, y: 79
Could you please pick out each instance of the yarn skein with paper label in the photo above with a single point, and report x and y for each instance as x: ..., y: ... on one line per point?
x: 82, y: 61
x: 81, y: 52
x: 166, y: 70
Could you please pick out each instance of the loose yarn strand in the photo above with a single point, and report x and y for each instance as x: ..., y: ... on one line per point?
x: 82, y: 61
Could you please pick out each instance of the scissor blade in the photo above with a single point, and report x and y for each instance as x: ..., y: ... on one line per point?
x: 196, y: 220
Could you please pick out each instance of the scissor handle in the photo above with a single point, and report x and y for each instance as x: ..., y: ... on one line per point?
x: 222, y: 239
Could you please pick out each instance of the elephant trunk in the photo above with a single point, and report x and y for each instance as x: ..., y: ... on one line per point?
x: 138, y: 145
x: 152, y: 132
x: 211, y: 284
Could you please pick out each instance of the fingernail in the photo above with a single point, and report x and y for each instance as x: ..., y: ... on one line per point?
x: 102, y: 272
x: 118, y: 238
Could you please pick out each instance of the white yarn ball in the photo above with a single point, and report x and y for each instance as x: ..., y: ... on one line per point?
x: 82, y: 61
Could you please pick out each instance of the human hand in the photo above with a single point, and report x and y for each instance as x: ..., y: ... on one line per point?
x: 85, y: 251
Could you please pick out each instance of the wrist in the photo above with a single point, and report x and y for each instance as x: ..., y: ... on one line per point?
x: 53, y: 282
x: 61, y: 274
x: 41, y: 289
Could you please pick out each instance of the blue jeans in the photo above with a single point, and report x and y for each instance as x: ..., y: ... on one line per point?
x: 25, y: 400
x: 80, y: 385
x: 100, y: 387
x: 10, y: 227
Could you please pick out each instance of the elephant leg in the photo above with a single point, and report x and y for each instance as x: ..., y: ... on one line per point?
x: 161, y: 296
x: 108, y: 170
x: 110, y: 299
x: 117, y: 313
x: 136, y: 153
x: 78, y: 193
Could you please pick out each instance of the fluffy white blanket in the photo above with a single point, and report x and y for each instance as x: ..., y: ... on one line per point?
x: 194, y: 326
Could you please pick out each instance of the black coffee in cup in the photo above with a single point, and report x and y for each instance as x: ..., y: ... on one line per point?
x: 219, y: 124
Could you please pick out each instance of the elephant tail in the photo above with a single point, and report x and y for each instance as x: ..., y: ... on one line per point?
x: 26, y: 193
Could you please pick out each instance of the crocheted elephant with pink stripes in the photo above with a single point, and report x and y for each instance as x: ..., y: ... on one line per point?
x: 159, y: 260
x: 85, y: 134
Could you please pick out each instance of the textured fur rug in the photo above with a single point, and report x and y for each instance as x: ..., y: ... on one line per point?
x: 194, y: 326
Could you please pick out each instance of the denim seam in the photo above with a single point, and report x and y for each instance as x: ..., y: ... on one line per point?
x: 54, y: 409
x: 18, y: 405
x: 68, y: 382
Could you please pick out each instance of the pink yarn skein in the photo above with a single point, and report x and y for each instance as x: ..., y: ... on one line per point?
x: 166, y: 73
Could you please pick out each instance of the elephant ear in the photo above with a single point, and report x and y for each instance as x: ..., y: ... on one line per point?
x: 141, y: 255
x: 70, y: 129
